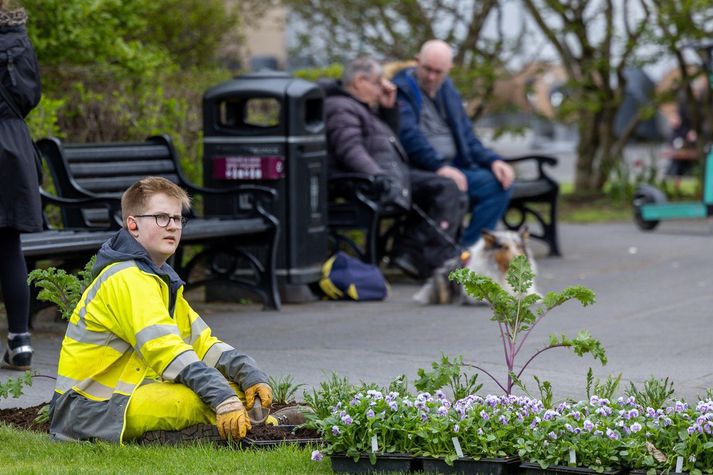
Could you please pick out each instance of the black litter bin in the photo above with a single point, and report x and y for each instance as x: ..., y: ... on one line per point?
x: 267, y: 128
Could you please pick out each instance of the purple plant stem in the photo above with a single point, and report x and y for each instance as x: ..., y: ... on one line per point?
x: 535, y: 355
x: 487, y: 373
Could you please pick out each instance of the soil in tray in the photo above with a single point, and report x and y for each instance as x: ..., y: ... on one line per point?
x: 280, y: 433
x: 24, y: 418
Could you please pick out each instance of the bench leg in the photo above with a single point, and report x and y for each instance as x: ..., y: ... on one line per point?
x: 549, y: 228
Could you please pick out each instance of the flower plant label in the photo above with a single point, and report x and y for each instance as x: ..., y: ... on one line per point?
x: 456, y: 445
x: 572, y: 457
x: 679, y: 464
x: 374, y: 444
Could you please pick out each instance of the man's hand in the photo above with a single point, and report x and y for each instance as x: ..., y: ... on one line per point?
x: 503, y: 172
x: 455, y: 175
x: 231, y: 419
x: 387, y: 96
x: 263, y: 391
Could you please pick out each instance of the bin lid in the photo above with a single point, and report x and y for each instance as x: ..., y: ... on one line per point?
x: 269, y: 83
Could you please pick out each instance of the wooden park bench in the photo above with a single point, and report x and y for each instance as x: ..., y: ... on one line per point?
x: 238, y: 249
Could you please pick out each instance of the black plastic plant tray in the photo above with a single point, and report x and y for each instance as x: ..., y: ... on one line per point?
x: 384, y: 463
x: 467, y: 465
x: 528, y: 468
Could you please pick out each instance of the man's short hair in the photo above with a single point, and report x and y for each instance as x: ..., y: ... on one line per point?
x: 358, y: 67
x: 136, y: 197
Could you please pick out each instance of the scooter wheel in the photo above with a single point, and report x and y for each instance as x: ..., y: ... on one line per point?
x: 646, y: 194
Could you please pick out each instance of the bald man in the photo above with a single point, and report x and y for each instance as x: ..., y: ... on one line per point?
x: 437, y: 134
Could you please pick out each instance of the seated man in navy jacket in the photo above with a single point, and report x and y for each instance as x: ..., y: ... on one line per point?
x: 438, y: 136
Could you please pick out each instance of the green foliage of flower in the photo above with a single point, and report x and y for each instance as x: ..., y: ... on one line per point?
x: 322, y: 399
x: 605, y: 389
x: 447, y: 373
x: 606, y: 435
x: 425, y: 424
x: 655, y: 393
x: 283, y: 389
x: 518, y: 313
x: 13, y: 386
x: 61, y: 287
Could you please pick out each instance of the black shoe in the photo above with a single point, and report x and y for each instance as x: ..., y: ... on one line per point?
x: 18, y: 355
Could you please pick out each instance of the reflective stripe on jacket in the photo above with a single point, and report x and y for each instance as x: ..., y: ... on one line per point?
x: 120, y: 333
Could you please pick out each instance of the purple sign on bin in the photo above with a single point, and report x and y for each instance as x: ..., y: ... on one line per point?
x: 248, y: 168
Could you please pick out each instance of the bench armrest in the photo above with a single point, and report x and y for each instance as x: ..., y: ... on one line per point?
x: 353, y: 185
x: 112, y: 205
x: 541, y: 160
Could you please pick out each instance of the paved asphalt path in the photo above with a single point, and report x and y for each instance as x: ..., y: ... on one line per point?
x: 653, y: 315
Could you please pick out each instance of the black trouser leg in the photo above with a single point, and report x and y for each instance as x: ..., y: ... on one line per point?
x: 440, y: 198
x: 13, y: 275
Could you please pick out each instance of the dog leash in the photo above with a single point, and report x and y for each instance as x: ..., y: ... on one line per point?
x: 463, y: 254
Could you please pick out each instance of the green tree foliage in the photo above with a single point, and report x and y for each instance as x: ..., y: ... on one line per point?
x: 679, y: 24
x: 595, y: 42
x: 395, y: 30
x: 125, y: 69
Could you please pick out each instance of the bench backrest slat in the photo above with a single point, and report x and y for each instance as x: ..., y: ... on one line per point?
x: 105, y: 170
x: 120, y: 168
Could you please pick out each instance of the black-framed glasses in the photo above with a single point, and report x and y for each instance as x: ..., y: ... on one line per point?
x: 162, y: 219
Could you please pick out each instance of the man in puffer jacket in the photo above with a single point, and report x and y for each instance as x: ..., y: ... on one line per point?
x: 362, y: 126
x: 136, y: 357
x: 438, y: 136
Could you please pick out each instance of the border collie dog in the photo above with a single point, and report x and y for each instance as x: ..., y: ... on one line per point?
x: 490, y: 256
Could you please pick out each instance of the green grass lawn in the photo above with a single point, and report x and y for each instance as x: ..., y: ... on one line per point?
x: 24, y: 452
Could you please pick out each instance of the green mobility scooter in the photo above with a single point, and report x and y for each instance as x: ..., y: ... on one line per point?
x: 650, y: 206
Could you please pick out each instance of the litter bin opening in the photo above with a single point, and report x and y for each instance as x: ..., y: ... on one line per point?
x: 313, y: 117
x: 249, y: 112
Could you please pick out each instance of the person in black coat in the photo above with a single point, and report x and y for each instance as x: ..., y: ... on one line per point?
x: 20, y: 209
x: 362, y: 126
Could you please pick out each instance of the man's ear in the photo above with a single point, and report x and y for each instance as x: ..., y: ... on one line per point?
x: 131, y: 224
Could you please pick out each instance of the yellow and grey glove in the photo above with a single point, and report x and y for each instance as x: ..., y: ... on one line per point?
x: 261, y: 390
x: 231, y: 419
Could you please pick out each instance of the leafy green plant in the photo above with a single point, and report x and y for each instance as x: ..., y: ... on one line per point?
x: 13, y: 386
x: 654, y: 394
x: 60, y: 287
x: 518, y: 314
x: 323, y: 399
x: 283, y: 389
x: 447, y: 373
x: 604, y: 389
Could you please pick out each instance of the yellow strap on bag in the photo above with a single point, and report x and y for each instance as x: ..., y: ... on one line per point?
x: 325, y: 283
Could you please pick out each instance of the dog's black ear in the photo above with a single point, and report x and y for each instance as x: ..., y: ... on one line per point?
x: 525, y: 233
x: 489, y: 237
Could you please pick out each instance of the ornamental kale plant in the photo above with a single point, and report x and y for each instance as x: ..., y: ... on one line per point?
x: 60, y: 287
x: 518, y: 314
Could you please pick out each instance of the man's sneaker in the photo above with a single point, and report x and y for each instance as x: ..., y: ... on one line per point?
x: 18, y: 355
x: 291, y: 416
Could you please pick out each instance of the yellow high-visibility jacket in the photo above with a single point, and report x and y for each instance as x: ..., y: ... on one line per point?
x: 133, y: 323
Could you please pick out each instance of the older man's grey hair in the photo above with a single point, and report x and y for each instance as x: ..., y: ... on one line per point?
x: 362, y: 66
